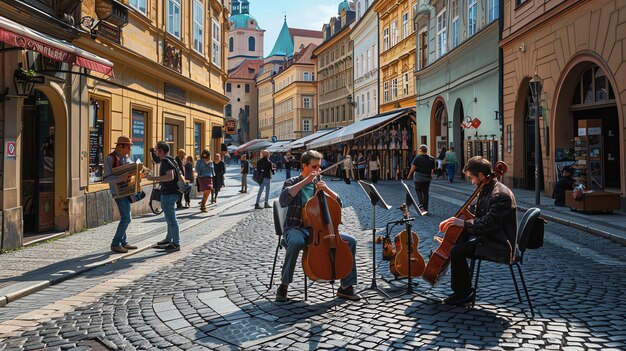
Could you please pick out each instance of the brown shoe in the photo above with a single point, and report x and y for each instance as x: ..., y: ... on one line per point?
x: 203, y: 209
x: 281, y: 293
x: 119, y: 249
x: 129, y: 247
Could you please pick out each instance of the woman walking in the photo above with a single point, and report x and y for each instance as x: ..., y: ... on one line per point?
x: 264, y: 165
x: 374, y: 168
x: 189, y: 176
x: 218, y: 180
x: 206, y: 172
x: 451, y: 164
x: 440, y: 163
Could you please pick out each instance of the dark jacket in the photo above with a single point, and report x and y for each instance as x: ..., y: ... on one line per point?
x: 495, y: 225
x: 179, y: 162
x: 218, y: 180
x: 189, y: 172
x: 264, y: 165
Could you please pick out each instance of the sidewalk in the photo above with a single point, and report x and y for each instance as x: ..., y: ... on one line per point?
x: 610, y: 225
x: 31, y: 269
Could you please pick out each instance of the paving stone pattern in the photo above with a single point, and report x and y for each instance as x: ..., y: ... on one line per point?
x: 576, y: 282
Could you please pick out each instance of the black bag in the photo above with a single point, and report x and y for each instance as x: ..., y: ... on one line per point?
x: 258, y: 176
x: 535, y: 239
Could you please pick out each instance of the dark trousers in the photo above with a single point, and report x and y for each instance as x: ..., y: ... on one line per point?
x: 421, y: 188
x: 375, y: 176
x: 461, y: 279
x: 362, y: 173
x: 179, y: 202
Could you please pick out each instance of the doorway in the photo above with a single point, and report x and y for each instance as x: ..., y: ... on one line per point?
x: 529, y: 146
x: 38, y: 142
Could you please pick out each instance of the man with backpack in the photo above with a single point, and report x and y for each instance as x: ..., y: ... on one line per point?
x: 119, y: 157
x: 422, y: 169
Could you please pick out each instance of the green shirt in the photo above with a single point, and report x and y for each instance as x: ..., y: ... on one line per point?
x: 308, y: 191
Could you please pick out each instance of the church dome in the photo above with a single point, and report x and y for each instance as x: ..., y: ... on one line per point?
x: 243, y: 20
x: 343, y: 5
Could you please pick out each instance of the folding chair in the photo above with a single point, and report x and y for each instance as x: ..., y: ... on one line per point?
x: 523, y: 233
x: 279, y: 221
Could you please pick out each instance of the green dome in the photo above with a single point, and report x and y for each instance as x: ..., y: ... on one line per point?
x: 243, y: 20
x: 343, y: 5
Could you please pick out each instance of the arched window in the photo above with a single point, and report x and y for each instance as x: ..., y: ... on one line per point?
x: 593, y: 87
x: 230, y: 45
x: 251, y: 44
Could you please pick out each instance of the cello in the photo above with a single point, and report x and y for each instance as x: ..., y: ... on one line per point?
x: 439, y: 260
x: 326, y: 256
x: 399, y: 265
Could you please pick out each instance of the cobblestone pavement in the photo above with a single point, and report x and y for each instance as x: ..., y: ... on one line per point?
x: 215, y: 296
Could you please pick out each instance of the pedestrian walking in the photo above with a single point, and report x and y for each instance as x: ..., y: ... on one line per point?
x: 265, y: 166
x: 440, y: 170
x: 189, y: 177
x: 218, y: 180
x: 206, y: 172
x: 119, y: 157
x: 245, y: 169
x: 490, y: 235
x: 374, y: 168
x: 361, y: 164
x: 348, y: 168
x: 287, y: 163
x: 450, y: 163
x: 422, y: 168
x: 169, y: 176
x: 180, y: 157
x: 295, y: 193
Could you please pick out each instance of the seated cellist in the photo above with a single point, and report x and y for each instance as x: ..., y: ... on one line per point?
x: 296, y: 192
x: 491, y: 234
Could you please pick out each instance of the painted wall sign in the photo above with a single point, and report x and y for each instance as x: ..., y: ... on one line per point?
x: 11, y: 150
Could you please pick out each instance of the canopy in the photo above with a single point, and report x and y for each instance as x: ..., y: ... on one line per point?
x: 264, y: 144
x: 17, y: 35
x: 280, y: 146
x: 244, y: 147
x: 232, y: 148
x: 350, y: 132
x: 304, y: 140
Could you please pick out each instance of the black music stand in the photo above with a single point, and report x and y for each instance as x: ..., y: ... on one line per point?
x: 375, y: 200
x: 409, y: 200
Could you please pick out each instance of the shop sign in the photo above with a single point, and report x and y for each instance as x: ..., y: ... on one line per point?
x: 112, y: 12
x: 175, y: 93
x: 11, y: 150
x: 594, y: 130
x: 231, y: 127
x: 109, y: 32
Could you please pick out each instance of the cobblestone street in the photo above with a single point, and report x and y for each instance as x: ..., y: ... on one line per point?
x: 214, y: 294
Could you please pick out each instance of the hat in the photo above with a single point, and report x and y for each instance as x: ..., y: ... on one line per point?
x: 124, y: 140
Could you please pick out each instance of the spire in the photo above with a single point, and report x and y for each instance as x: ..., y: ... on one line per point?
x: 284, y: 44
x: 245, y: 7
x: 234, y: 7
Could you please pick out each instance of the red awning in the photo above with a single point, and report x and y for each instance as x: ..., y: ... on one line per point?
x: 17, y: 35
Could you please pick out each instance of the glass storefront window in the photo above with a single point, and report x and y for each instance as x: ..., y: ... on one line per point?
x: 197, y: 138
x: 96, y: 141
x: 138, y: 136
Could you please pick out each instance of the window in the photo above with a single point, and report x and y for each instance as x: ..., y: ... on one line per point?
x: 414, y: 13
x: 405, y: 91
x: 471, y: 15
x: 454, y: 34
x: 343, y: 113
x: 386, y: 92
x: 357, y: 105
x: 386, y: 38
x: 394, y: 32
x: 173, y: 18
x: 368, y: 66
x: 306, y: 102
x: 231, y: 45
x: 247, y: 88
x: 228, y: 110
x: 138, y: 135
x: 198, y: 26
x: 493, y: 10
x: 251, y: 44
x: 306, y: 125
x: 423, y: 46
x: 332, y: 115
x: 519, y: 2
x: 394, y: 88
x: 362, y: 103
x: 368, y: 102
x: 96, y: 144
x: 216, y: 35
x: 139, y: 5
x: 228, y: 87
x: 363, y: 71
x: 405, y: 25
x: 312, y: 76
x: 358, y: 74
x: 197, y: 138
x: 322, y: 117
x: 306, y: 76
x: 442, y: 42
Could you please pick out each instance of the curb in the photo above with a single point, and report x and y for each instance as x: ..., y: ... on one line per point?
x: 13, y: 296
x: 549, y: 217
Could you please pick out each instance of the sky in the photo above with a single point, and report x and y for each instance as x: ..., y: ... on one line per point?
x: 305, y: 14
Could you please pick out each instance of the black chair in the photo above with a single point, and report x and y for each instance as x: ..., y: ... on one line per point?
x: 523, y: 233
x: 279, y: 221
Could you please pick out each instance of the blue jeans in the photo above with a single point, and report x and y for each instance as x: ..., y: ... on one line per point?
x: 173, y: 231
x: 450, y: 169
x: 123, y: 205
x: 295, y: 241
x: 265, y: 185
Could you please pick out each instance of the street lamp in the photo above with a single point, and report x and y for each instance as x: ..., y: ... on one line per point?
x: 535, y: 89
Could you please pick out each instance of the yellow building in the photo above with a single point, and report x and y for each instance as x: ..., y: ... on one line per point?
x: 334, y: 71
x: 295, y: 96
x: 265, y: 86
x: 397, y: 54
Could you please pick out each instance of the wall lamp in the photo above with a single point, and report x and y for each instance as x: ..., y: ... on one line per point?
x: 24, y: 82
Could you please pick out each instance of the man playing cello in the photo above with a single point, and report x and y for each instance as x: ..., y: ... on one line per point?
x: 296, y: 192
x: 491, y: 234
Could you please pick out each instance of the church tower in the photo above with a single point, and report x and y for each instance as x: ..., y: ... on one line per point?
x: 245, y: 38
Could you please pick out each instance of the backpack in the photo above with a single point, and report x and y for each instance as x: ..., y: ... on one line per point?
x: 535, y: 239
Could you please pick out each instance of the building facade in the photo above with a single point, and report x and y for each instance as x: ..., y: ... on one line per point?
x: 245, y: 54
x: 451, y: 89
x: 397, y: 54
x: 63, y: 130
x: 574, y: 49
x: 295, y: 96
x: 334, y: 70
x: 364, y: 35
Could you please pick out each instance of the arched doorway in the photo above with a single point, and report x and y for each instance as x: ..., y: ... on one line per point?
x: 38, y: 166
x: 458, y: 133
x: 588, y: 101
x: 438, y: 126
x: 529, y: 145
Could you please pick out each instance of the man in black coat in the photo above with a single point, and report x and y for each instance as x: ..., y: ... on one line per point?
x: 491, y: 234
x: 422, y: 168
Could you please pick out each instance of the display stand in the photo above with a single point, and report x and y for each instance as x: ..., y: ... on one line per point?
x: 375, y: 200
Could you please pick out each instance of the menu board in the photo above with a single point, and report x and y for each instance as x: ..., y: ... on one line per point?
x: 96, y: 149
x: 138, y: 135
